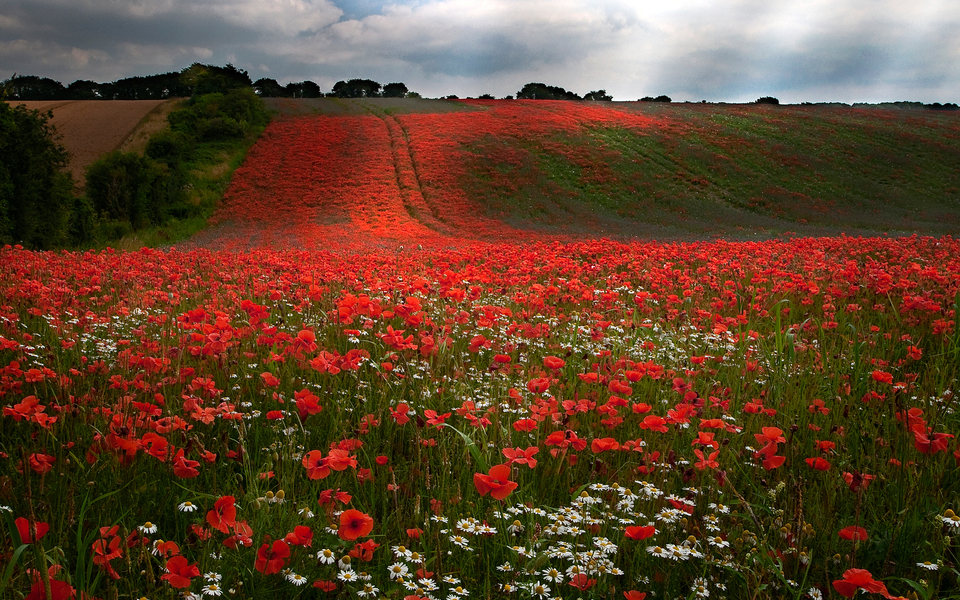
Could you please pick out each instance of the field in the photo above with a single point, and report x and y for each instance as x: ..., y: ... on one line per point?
x: 506, y: 350
x: 91, y: 128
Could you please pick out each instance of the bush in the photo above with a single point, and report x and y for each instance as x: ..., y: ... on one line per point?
x: 124, y: 186
x: 767, y: 100
x: 36, y: 194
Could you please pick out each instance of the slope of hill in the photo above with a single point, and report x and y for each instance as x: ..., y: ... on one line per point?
x: 422, y: 172
x: 91, y: 128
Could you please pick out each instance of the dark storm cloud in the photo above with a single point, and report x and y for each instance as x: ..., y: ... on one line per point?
x: 731, y: 50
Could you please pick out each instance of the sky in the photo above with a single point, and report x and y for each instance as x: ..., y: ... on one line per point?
x: 691, y: 50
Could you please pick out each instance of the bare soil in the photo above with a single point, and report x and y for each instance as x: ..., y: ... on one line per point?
x: 91, y: 128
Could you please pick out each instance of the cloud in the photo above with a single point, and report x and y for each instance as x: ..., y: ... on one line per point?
x: 728, y: 50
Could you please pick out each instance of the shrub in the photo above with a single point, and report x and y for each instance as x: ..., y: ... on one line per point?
x: 36, y: 195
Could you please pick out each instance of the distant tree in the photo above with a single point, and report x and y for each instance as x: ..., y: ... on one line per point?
x: 412, y: 95
x: 211, y: 79
x: 269, y: 88
x: 357, y: 88
x: 452, y: 97
x: 540, y: 91
x: 395, y: 90
x: 767, y: 100
x: 151, y: 87
x: 36, y: 194
x: 662, y: 99
x: 598, y: 96
x: 83, y: 89
x: 31, y: 87
x: 485, y: 97
x: 303, y: 89
x: 508, y: 97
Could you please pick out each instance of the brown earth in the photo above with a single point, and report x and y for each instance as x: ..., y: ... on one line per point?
x: 91, y: 128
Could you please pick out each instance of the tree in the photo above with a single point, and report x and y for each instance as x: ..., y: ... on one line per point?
x: 598, y: 96
x: 357, y: 88
x: 304, y: 89
x: 540, y: 91
x: 269, y: 88
x: 31, y: 87
x: 36, y: 194
x: 395, y: 90
x: 767, y: 100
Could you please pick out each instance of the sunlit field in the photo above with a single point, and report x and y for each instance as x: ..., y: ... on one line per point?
x: 410, y: 408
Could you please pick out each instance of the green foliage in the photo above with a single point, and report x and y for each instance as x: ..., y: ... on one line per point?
x: 357, y: 88
x: 540, y: 91
x: 598, y: 96
x: 395, y: 90
x: 181, y: 176
x: 35, y: 193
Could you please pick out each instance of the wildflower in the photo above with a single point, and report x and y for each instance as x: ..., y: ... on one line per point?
x: 354, y: 524
x: 347, y: 576
x: 180, y: 572
x: 212, y: 577
x: 854, y: 579
x: 639, y: 532
x: 270, y: 559
x: 368, y: 590
x: 211, y: 589
x: 397, y: 570
x: 539, y: 590
x: 658, y: 551
x: 496, y: 482
x: 853, y: 533
x: 552, y: 575
x: 928, y: 565
x: 326, y: 556
x: 147, y: 527
x: 187, y: 506
x: 460, y: 541
x: 950, y: 519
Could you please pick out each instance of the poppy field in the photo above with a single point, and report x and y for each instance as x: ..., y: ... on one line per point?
x: 362, y: 383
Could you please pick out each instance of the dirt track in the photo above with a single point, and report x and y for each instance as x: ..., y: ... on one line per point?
x: 90, y: 128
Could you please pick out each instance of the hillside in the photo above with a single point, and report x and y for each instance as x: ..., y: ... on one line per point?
x: 425, y: 171
x: 91, y: 128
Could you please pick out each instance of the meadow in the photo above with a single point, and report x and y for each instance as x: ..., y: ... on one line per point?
x: 404, y: 363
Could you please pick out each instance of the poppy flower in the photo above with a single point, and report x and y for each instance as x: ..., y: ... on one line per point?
x: 300, y: 536
x: 180, y: 572
x: 639, y: 532
x: 354, y: 524
x: 521, y: 456
x: 496, y: 482
x: 224, y: 514
x: 23, y: 528
x: 853, y: 533
x: 270, y: 559
x: 854, y: 579
x: 315, y: 464
x: 819, y: 463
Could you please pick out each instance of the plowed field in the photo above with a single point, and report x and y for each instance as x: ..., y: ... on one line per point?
x: 91, y: 128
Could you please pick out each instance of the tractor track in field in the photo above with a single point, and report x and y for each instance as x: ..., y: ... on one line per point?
x: 408, y: 177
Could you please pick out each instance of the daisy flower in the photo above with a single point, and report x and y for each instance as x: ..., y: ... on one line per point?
x: 296, y: 579
x: 326, y: 556
x: 211, y: 589
x: 187, y: 506
x: 147, y: 527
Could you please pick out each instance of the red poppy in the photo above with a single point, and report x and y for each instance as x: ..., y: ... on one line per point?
x: 23, y: 528
x: 300, y: 536
x: 315, y: 464
x: 271, y: 559
x: 496, y: 482
x: 224, y: 514
x: 639, y: 532
x: 603, y: 444
x: 819, y: 463
x: 354, y: 524
x: 521, y: 456
x: 854, y: 579
x: 853, y: 533
x: 180, y: 572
